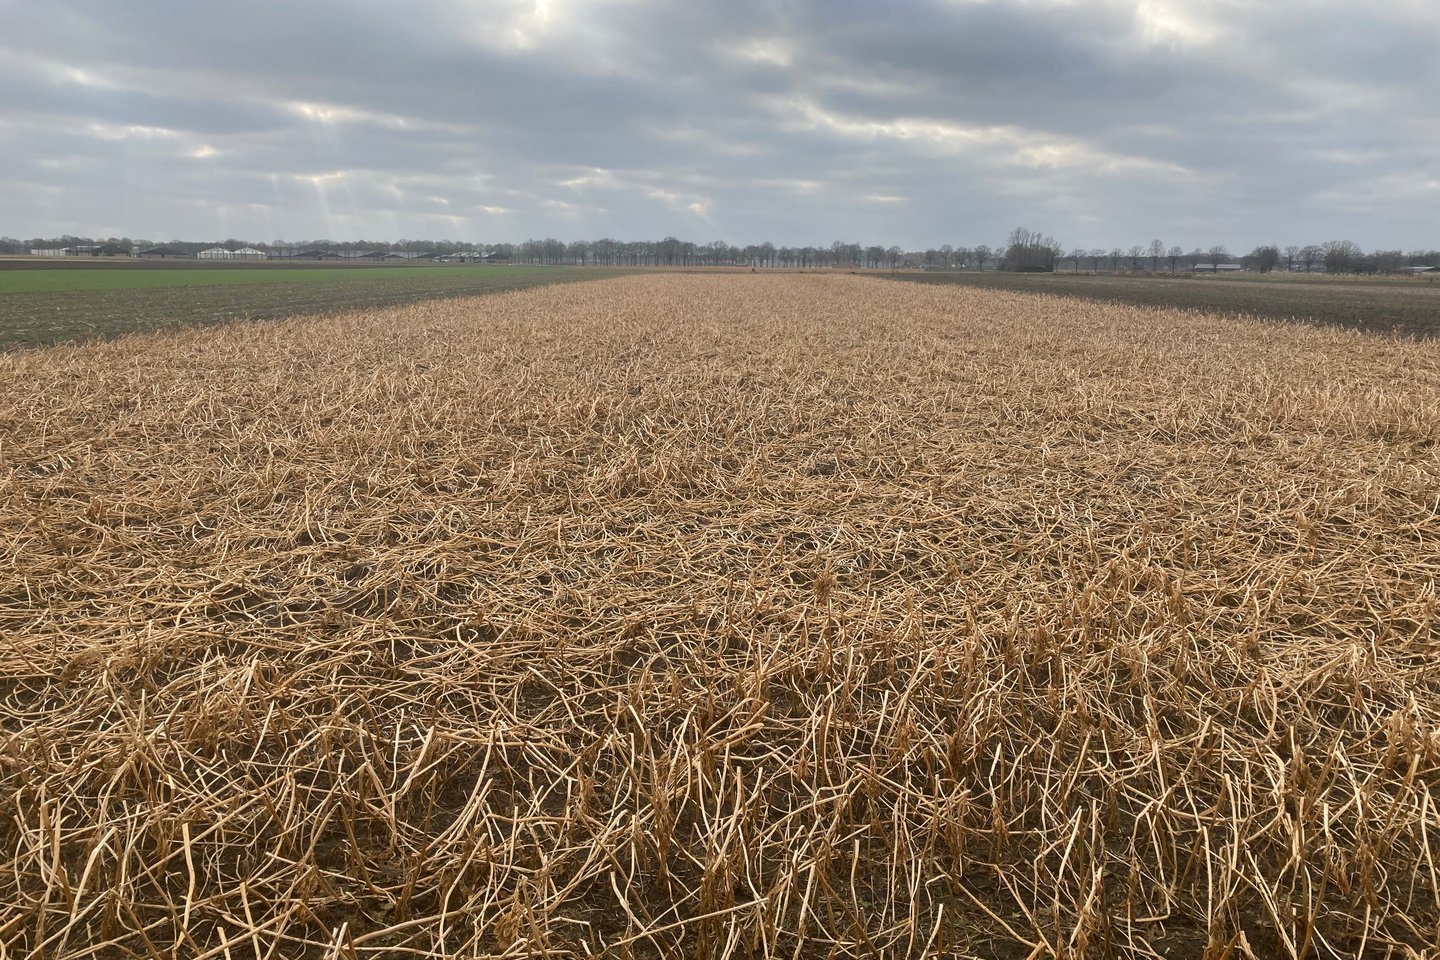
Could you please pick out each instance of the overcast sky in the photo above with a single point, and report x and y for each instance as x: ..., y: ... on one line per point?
x: 1101, y: 122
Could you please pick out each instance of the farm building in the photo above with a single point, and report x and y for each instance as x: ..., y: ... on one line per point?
x: 402, y: 256
x: 471, y: 256
x: 162, y: 253
x: 1419, y: 270
x: 82, y: 250
x: 291, y: 254
x: 220, y: 253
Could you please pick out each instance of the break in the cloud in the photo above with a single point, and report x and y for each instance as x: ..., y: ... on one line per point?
x: 1102, y: 122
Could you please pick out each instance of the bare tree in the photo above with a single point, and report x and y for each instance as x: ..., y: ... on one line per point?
x: 983, y: 255
x: 1310, y: 254
x: 1385, y: 261
x: 1215, y: 255
x: 1030, y: 251
x: 1136, y: 252
x: 1264, y: 258
x: 1174, y: 255
x: 1097, y: 257
x: 1292, y: 253
x: 1157, y: 250
x: 1342, y: 256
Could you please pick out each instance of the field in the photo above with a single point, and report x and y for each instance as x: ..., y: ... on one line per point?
x: 722, y: 615
x: 1389, y: 305
x: 46, y: 303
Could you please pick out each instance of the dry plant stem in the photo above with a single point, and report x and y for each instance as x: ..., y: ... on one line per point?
x: 799, y: 616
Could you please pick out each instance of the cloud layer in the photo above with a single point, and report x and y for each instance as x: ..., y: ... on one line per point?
x: 1101, y: 122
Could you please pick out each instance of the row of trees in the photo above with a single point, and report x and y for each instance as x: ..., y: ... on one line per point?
x: 1022, y: 250
x: 1337, y: 256
x: 672, y: 252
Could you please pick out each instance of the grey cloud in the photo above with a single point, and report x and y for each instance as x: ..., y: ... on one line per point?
x: 1103, y: 122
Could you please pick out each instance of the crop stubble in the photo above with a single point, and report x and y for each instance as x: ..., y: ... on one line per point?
x: 725, y: 615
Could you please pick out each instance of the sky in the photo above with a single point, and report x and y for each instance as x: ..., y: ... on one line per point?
x: 913, y: 122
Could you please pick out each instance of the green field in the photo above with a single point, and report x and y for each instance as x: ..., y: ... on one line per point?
x: 140, y: 278
x: 1410, y: 307
x: 42, y: 305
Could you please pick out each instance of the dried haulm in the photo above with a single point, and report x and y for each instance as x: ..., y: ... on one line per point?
x: 721, y: 615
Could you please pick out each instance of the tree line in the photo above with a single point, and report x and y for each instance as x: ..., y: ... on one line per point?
x: 1336, y: 256
x: 1023, y: 250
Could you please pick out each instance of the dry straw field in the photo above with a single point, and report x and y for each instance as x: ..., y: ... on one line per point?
x: 722, y: 616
